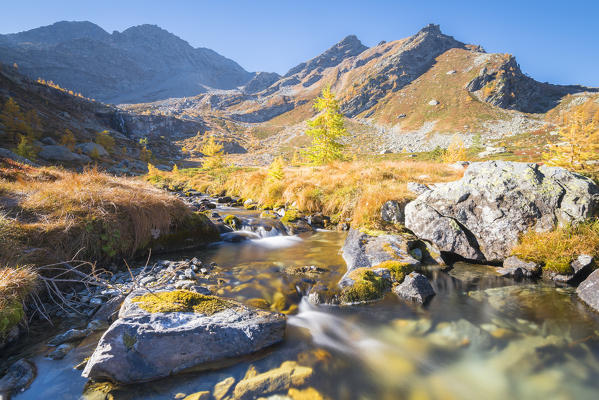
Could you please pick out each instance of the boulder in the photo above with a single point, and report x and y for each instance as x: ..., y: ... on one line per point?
x: 18, y: 377
x: 588, y: 290
x: 415, y: 287
x: 90, y: 147
x: 167, y: 332
x: 481, y: 216
x: 5, y: 153
x: 362, y: 250
x: 62, y: 154
x: 393, y: 211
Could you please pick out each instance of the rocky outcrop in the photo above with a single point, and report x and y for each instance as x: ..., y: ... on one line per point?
x: 588, y: 290
x: 157, y: 338
x: 507, y: 87
x: 261, y: 81
x: 481, y: 216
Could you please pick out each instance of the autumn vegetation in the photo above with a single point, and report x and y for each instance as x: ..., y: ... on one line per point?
x: 345, y: 190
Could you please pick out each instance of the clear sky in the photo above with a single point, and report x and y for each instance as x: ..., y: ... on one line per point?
x: 555, y: 41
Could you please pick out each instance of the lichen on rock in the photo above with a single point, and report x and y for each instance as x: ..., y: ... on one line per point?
x: 181, y: 301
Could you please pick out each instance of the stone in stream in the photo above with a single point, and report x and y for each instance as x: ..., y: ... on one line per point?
x: 517, y: 268
x: 162, y: 333
x: 376, y: 260
x: 481, y: 216
x: 18, y: 377
x: 588, y: 290
x: 415, y: 287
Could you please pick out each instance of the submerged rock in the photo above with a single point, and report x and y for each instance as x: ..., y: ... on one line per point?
x: 517, y: 268
x: 288, y: 375
x: 18, y: 378
x: 415, y: 287
x: 164, y: 333
x: 481, y: 216
x: 588, y: 290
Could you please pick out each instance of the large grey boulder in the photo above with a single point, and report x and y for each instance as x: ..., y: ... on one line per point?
x: 62, y: 154
x: 90, y: 147
x: 5, y: 153
x: 588, y: 290
x: 481, y: 216
x: 142, y: 346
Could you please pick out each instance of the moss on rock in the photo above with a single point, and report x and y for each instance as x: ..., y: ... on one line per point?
x: 10, y: 315
x: 367, y: 286
x: 181, y: 301
x: 233, y: 221
x: 398, y: 269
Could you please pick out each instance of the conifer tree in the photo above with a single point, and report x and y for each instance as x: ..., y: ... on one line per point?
x: 275, y: 170
x: 326, y: 130
x: 579, y: 137
x: 213, y: 153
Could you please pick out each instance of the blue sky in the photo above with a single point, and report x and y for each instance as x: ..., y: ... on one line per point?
x: 553, y: 41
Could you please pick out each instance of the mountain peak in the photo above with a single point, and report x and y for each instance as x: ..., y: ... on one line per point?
x: 59, y: 32
x: 349, y: 46
x: 431, y: 28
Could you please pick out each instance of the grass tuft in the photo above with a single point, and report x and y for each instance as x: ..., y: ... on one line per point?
x: 556, y: 249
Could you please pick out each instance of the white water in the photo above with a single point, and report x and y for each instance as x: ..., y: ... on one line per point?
x: 276, y: 242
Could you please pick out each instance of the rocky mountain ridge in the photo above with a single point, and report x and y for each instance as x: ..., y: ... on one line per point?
x: 142, y: 63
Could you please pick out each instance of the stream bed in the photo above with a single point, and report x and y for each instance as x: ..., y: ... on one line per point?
x: 481, y: 337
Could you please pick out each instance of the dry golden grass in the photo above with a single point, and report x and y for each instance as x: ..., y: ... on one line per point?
x: 344, y: 190
x: 556, y: 249
x: 16, y: 283
x: 61, y: 213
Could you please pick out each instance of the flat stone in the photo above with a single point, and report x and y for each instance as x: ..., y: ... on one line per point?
x: 142, y: 346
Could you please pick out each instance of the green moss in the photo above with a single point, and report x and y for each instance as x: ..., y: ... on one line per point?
x: 367, y: 286
x: 232, y: 221
x: 291, y: 215
x: 181, y: 301
x: 398, y: 269
x: 10, y: 315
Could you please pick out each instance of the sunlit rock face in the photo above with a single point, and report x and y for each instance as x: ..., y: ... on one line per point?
x: 481, y: 216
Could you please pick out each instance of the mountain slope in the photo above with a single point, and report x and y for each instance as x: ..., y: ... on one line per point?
x: 428, y: 81
x: 142, y: 63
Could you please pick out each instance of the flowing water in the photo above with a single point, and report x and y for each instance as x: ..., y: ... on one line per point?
x: 481, y: 336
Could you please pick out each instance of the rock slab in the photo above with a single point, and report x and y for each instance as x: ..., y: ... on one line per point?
x: 142, y: 346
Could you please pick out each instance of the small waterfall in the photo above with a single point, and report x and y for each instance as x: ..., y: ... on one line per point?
x: 334, y: 332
